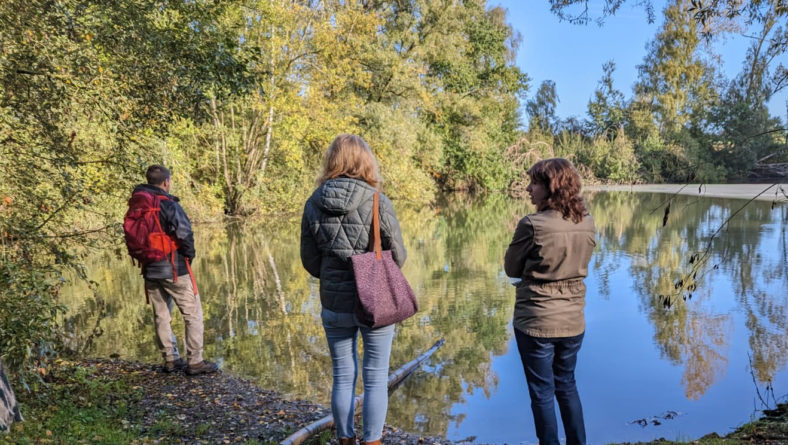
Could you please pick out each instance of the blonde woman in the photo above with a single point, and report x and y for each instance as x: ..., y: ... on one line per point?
x: 335, y: 225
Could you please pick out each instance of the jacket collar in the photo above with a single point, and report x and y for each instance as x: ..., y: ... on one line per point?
x: 155, y: 190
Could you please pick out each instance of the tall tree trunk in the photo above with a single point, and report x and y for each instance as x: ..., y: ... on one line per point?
x: 270, y: 106
x: 268, y: 136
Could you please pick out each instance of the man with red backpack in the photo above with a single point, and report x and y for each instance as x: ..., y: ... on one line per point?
x: 159, y: 236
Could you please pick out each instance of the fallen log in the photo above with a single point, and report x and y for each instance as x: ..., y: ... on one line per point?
x: 395, y: 380
x: 776, y: 170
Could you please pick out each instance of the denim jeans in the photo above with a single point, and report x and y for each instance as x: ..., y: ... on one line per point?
x: 342, y: 334
x: 549, y: 365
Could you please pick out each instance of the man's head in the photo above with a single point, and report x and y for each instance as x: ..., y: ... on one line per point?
x: 159, y: 176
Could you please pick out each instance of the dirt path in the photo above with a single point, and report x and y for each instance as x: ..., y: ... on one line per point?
x: 218, y: 408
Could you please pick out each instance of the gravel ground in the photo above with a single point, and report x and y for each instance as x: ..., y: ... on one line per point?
x: 223, y: 409
x: 220, y: 408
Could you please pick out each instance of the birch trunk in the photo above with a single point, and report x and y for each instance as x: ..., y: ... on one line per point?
x: 9, y: 409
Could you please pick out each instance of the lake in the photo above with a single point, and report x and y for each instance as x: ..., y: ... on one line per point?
x: 661, y: 358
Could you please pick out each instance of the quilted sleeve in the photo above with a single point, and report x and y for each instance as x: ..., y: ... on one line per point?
x: 390, y: 233
x: 310, y: 254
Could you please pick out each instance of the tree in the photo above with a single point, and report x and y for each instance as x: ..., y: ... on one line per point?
x: 541, y: 109
x: 706, y: 13
x: 675, y: 85
x: 607, y: 110
x: 277, y: 39
x: 80, y: 98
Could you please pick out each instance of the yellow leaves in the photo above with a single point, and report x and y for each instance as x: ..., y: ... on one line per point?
x: 7, y: 201
x: 88, y: 37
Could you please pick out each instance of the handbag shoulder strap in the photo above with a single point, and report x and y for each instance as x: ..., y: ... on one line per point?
x: 374, y: 242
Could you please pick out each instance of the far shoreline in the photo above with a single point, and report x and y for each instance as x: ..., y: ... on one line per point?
x: 732, y: 191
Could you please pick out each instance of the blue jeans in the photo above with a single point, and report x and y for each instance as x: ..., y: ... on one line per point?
x: 342, y: 334
x: 549, y: 365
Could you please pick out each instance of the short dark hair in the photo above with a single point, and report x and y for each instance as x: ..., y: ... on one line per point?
x: 156, y: 174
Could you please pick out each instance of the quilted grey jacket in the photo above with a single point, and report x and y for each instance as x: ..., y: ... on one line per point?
x: 336, y: 224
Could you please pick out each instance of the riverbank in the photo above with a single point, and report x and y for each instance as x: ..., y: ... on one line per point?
x: 114, y: 402
x: 735, y: 191
x: 119, y: 402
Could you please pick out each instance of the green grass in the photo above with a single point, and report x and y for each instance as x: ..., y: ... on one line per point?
x: 76, y: 405
x: 325, y: 436
x: 166, y: 427
x: 202, y: 428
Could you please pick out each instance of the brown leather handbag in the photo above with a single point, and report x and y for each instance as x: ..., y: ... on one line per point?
x: 384, y: 295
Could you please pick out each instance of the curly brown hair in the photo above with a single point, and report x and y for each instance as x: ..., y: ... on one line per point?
x: 562, y: 183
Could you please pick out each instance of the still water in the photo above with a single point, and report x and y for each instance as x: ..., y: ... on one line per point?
x: 705, y: 364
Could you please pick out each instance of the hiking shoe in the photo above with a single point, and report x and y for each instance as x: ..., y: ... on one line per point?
x: 204, y: 367
x: 174, y: 365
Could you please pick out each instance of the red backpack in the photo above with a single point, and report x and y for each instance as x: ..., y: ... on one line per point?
x: 145, y: 238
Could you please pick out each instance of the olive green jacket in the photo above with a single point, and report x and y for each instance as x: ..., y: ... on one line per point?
x: 551, y: 255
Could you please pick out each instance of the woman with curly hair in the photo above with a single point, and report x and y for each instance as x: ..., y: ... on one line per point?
x: 550, y: 252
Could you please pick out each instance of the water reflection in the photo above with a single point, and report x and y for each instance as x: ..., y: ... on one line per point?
x: 262, y: 310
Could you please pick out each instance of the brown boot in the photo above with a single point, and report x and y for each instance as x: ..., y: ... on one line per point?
x: 347, y: 440
x: 374, y: 442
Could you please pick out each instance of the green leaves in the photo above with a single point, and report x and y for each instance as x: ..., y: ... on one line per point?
x: 84, y: 88
x: 240, y: 98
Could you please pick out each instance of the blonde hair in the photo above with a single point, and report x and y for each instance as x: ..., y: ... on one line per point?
x: 349, y: 155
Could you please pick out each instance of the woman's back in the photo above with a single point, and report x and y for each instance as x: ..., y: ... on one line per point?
x: 551, y: 255
x: 561, y: 248
x: 336, y: 225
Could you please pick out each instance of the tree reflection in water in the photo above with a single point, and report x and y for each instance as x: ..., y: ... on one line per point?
x: 689, y: 332
x: 262, y: 310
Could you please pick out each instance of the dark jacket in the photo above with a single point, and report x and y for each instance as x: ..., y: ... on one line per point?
x: 551, y: 255
x: 176, y: 224
x: 336, y: 224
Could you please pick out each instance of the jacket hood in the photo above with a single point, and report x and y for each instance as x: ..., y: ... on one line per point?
x: 339, y: 196
x: 155, y: 190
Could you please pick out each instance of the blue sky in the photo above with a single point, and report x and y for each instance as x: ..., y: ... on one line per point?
x: 572, y: 55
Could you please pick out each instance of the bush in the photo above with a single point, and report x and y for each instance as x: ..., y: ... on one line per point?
x: 612, y: 159
x: 28, y: 309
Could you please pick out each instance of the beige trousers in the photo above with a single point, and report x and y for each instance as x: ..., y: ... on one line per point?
x: 162, y: 293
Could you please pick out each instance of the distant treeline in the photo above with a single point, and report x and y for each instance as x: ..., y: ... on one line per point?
x: 241, y: 97
x: 683, y: 120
